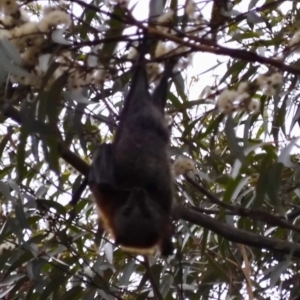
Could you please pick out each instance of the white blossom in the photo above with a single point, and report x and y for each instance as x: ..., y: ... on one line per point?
x: 53, y: 19
x: 30, y: 56
x: 242, y: 97
x: 242, y: 87
x: 9, y: 7
x: 267, y: 83
x: 5, y: 34
x: 225, y: 101
x: 254, y: 106
x: 7, y: 20
x: 153, y: 70
x: 262, y: 81
x: 182, y: 165
x: 269, y: 91
x: 276, y: 78
x: 25, y: 29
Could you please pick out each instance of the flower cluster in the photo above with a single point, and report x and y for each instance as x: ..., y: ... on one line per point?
x: 193, y: 28
x: 30, y: 37
x: 52, y: 19
x: 268, y: 84
x: 169, y: 48
x: 154, y: 71
x: 183, y: 165
x: 230, y: 101
x: 24, y: 33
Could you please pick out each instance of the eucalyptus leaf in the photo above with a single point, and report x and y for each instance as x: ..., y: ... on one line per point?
x: 252, y: 4
x: 128, y: 271
x: 92, y: 61
x: 108, y: 250
x: 10, y: 67
x: 278, y: 270
x: 253, y: 18
x: 156, y: 8
x: 5, y: 190
x: 285, y: 155
x: 10, y: 51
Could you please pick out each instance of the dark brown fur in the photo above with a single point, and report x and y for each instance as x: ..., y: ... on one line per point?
x: 131, y: 178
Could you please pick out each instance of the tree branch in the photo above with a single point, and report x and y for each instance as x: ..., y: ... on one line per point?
x: 237, y: 235
x: 206, y: 45
x: 71, y: 158
x: 229, y: 232
x: 154, y: 283
x: 255, y: 214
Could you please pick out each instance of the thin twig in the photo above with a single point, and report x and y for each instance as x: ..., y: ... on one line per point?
x: 152, y: 280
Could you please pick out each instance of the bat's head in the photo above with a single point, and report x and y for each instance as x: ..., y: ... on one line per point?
x: 140, y: 222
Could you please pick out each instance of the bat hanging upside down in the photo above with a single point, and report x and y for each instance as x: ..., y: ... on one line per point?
x: 131, y: 178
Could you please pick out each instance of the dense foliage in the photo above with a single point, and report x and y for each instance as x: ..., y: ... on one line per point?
x: 233, y: 106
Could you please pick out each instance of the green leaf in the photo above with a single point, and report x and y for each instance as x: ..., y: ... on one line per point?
x: 274, y: 184
x: 116, y: 27
x: 47, y: 204
x: 21, y: 153
x: 278, y: 271
x: 252, y: 4
x: 10, y: 51
x: 9, y: 66
x: 156, y: 8
x: 73, y: 294
x: 180, y: 86
x: 260, y: 190
x: 285, y: 155
x: 5, y: 191
x: 17, y: 287
x: 20, y: 215
x: 235, y: 148
x: 53, y: 286
x: 127, y: 272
